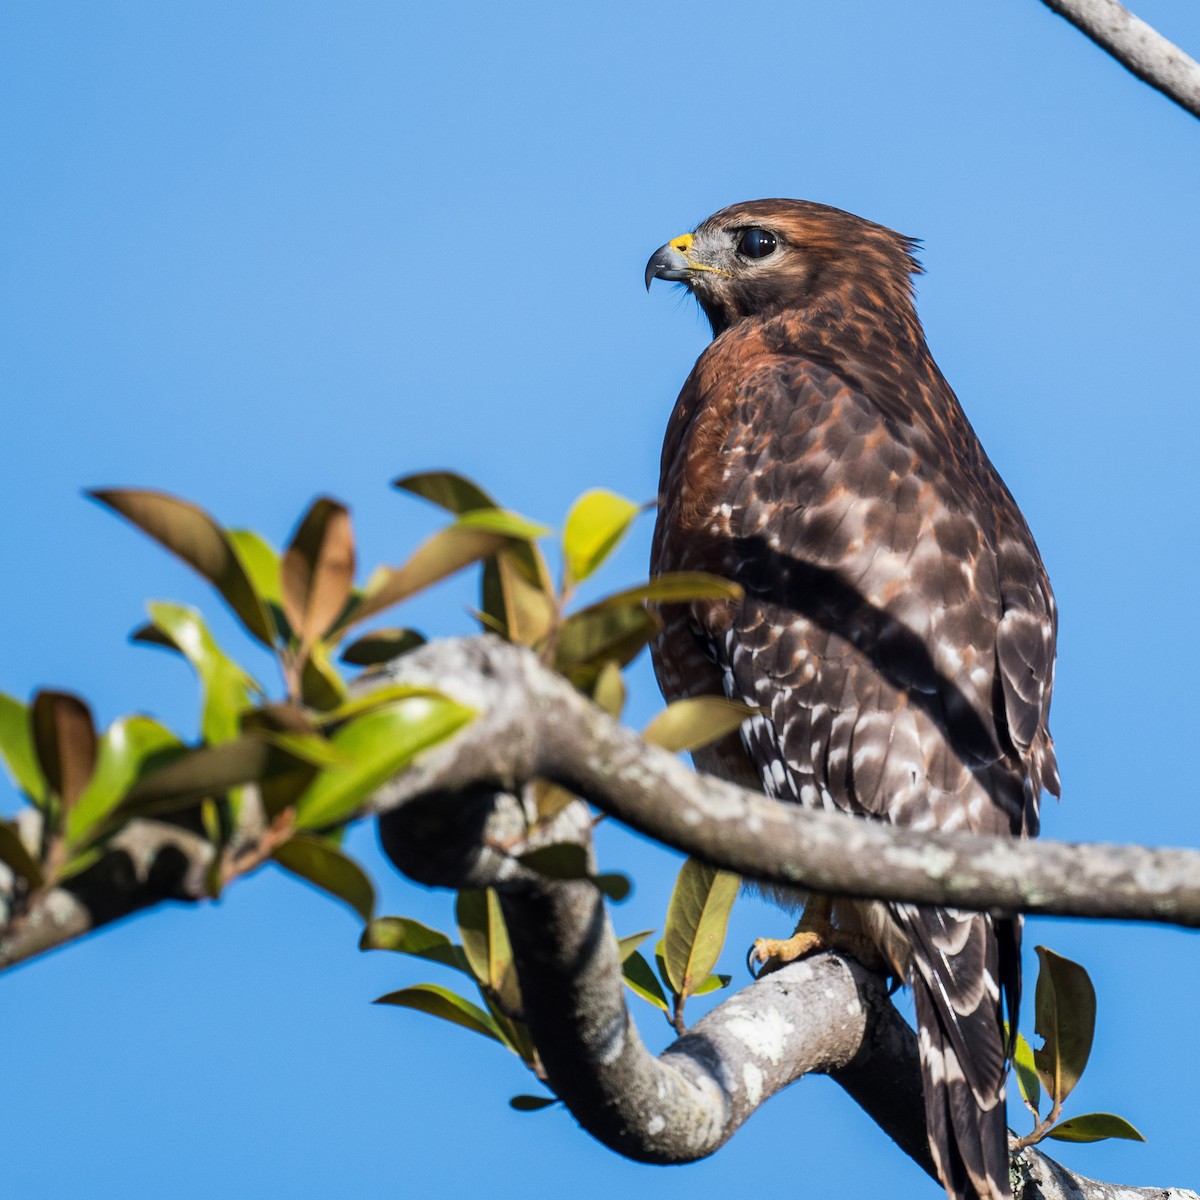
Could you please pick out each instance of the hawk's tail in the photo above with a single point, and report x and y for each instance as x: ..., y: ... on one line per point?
x: 964, y: 1056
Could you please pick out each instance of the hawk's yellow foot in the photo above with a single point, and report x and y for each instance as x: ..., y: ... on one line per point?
x: 814, y: 934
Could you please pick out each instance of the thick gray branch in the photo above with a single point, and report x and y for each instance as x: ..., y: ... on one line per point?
x: 1137, y: 46
x: 825, y: 1014
x: 533, y: 724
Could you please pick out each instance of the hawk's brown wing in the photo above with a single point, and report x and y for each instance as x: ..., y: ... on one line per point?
x: 897, y: 631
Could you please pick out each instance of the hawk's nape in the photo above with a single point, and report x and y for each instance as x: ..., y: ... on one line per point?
x: 897, y: 627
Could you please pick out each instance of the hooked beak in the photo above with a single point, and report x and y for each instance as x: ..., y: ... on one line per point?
x: 670, y: 261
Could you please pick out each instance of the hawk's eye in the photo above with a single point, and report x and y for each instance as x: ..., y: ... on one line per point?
x: 757, y: 243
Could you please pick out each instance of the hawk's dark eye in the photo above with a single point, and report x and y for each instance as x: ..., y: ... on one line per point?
x: 757, y: 243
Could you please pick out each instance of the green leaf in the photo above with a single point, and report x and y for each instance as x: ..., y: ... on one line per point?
x: 16, y: 746
x: 64, y: 740
x: 690, y: 724
x: 1065, y: 1017
x: 406, y: 936
x: 517, y: 597
x: 317, y: 572
x: 1027, y: 1076
x: 486, y: 946
x: 379, y: 697
x: 321, y: 687
x: 531, y: 1103
x: 568, y: 861
x: 261, y: 562
x: 597, y: 522
x: 609, y: 689
x: 209, y: 771
x: 1094, y: 1127
x: 376, y: 746
x: 128, y: 749
x: 453, y: 492
x: 628, y: 944
x: 714, y: 983
x: 563, y: 860
x: 16, y: 855
x: 696, y: 920
x: 593, y: 636
x: 228, y: 689
x: 314, y: 859
x: 641, y: 981
x: 441, y: 1002
x: 500, y: 520
x: 191, y: 534
x: 381, y: 646
x: 675, y: 587
x: 614, y: 885
x: 446, y: 552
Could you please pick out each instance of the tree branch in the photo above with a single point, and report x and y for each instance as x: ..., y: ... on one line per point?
x: 824, y: 1014
x: 533, y: 724
x: 1136, y: 46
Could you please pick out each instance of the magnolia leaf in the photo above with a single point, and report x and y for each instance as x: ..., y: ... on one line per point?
x: 614, y: 885
x: 1094, y: 1127
x: 17, y: 857
x: 378, y: 697
x: 609, y: 689
x: 128, y: 749
x: 714, y: 983
x: 16, y: 747
x: 321, y: 687
x: 597, y: 522
x: 690, y: 724
x: 563, y: 860
x: 191, y: 534
x: 261, y: 562
x: 317, y: 572
x: 455, y: 493
x: 630, y: 942
x: 381, y: 646
x: 486, y: 947
x: 1065, y: 1017
x: 675, y: 587
x: 441, y: 1002
x: 315, y: 860
x: 228, y: 689
x: 516, y: 595
x: 500, y: 520
x: 549, y: 799
x: 447, y: 551
x: 209, y: 771
x: 64, y: 739
x: 376, y: 746
x: 593, y: 636
x: 531, y: 1103
x: 1027, y: 1076
x: 696, y: 920
x: 406, y: 936
x: 640, y: 980
x: 569, y: 860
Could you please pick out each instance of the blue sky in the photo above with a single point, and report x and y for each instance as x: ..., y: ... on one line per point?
x: 250, y: 252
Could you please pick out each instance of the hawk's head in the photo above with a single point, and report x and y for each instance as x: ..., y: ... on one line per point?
x: 765, y: 256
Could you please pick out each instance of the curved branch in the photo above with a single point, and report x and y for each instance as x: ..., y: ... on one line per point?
x: 533, y: 724
x: 1137, y: 46
x: 824, y: 1014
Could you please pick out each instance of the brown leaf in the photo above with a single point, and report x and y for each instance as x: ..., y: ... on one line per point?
x: 65, y: 739
x: 189, y: 532
x: 318, y: 570
x: 447, y: 551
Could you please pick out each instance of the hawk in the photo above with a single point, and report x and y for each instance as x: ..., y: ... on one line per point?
x: 897, y: 627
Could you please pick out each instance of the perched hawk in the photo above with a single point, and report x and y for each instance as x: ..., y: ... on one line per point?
x: 897, y: 627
